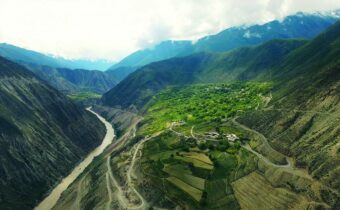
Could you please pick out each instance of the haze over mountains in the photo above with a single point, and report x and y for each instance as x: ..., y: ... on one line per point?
x: 300, y: 25
x: 240, y: 64
x: 22, y: 55
x: 60, y: 73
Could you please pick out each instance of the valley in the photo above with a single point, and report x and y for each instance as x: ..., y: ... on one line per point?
x: 245, y: 118
x: 203, y: 144
x: 185, y: 154
x: 43, y: 136
x: 54, y: 195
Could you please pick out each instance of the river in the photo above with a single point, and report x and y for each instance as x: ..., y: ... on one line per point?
x: 55, y: 194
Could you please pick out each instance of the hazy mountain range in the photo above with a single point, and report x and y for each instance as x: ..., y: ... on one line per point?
x: 22, y: 55
x: 300, y: 25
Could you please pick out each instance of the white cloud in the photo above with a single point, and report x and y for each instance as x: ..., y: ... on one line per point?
x: 113, y: 28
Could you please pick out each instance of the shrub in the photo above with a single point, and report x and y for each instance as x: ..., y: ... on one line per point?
x: 202, y: 146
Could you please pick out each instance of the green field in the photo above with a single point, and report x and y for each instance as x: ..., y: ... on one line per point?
x: 193, y: 192
x: 200, y: 103
x: 82, y: 96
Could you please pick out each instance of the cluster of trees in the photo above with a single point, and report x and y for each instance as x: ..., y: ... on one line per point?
x: 221, y: 146
x: 209, y: 102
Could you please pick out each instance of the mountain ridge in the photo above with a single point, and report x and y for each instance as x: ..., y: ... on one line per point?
x: 197, y: 68
x: 43, y: 135
x: 300, y: 25
x: 22, y: 55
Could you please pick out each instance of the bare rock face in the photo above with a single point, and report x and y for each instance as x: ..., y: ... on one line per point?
x: 42, y: 136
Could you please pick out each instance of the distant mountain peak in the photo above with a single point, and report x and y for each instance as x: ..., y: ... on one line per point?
x: 19, y: 54
x: 298, y: 25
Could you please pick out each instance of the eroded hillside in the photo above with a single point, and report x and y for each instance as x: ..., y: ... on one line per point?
x: 43, y: 135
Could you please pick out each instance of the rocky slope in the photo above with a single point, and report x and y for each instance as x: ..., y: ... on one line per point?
x: 42, y: 136
x: 77, y: 80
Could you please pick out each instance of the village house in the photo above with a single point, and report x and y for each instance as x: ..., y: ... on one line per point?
x: 231, y: 137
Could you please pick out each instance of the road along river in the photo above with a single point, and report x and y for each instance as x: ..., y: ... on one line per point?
x: 55, y: 194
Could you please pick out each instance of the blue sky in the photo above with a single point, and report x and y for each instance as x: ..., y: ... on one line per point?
x: 111, y: 29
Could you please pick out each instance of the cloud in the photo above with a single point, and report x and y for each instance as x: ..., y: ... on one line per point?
x: 113, y: 28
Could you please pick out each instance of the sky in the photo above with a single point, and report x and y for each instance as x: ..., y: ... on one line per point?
x: 111, y: 29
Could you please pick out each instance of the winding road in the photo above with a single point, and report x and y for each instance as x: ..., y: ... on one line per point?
x: 120, y: 193
x: 55, y: 194
x: 289, y: 167
x: 124, y: 202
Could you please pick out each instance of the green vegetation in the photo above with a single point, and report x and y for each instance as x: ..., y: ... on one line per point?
x: 199, y: 103
x: 188, y: 165
x: 83, y: 96
x: 193, y: 175
x: 258, y: 63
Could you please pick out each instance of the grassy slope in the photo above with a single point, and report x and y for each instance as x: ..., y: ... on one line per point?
x: 241, y: 64
x: 201, y: 103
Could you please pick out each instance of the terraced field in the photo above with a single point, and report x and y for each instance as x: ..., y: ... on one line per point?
x: 196, y: 162
x: 185, y: 175
x: 192, y: 191
x: 255, y: 192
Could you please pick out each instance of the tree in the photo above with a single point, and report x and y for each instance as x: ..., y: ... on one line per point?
x: 237, y: 145
x: 202, y: 146
x: 216, y: 164
x: 211, y: 147
x: 186, y: 148
x: 203, y: 200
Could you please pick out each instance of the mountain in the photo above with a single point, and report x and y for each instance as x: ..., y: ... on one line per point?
x: 300, y: 25
x: 302, y: 120
x: 22, y: 55
x: 99, y: 64
x: 77, y: 80
x: 120, y: 73
x: 241, y: 64
x: 42, y: 136
x: 164, y: 50
x: 52, y: 70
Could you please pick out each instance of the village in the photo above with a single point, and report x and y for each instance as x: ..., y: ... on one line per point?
x: 206, y: 136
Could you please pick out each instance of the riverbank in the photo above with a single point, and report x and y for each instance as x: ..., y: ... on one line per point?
x: 55, y: 194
